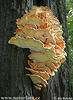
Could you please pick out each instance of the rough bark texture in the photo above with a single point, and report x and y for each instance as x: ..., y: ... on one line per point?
x: 13, y: 59
x: 14, y: 81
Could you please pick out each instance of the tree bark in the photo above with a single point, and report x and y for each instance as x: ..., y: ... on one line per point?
x: 13, y: 59
x: 14, y: 81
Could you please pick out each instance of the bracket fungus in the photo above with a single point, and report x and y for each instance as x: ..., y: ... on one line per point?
x: 41, y: 32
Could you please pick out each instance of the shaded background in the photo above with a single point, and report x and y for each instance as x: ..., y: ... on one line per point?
x: 13, y: 60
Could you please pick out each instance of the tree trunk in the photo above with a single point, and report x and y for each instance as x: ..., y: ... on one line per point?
x: 14, y: 81
x: 13, y: 59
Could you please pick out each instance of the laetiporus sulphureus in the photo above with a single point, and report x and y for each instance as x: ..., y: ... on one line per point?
x: 41, y: 32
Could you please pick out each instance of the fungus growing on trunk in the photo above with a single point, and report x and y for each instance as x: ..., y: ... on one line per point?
x: 41, y: 32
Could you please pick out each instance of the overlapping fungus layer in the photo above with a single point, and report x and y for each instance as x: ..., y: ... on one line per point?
x: 40, y: 31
